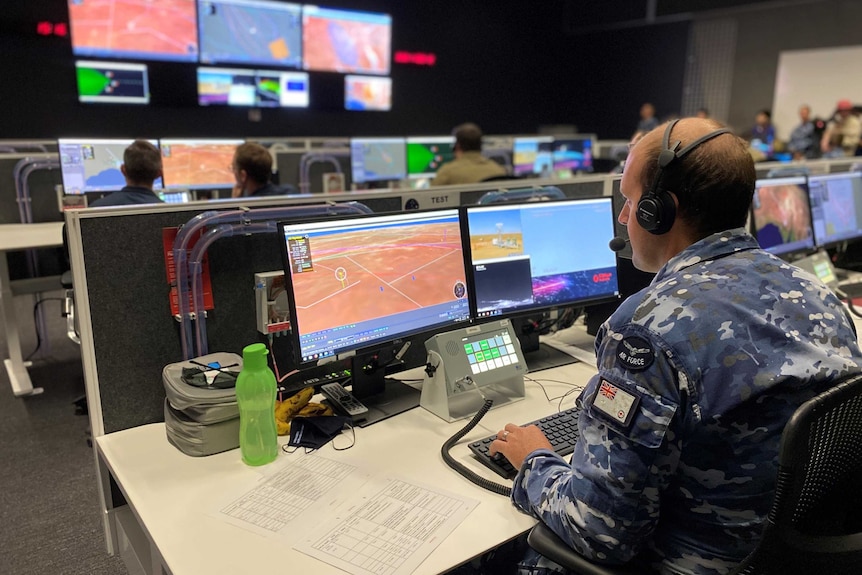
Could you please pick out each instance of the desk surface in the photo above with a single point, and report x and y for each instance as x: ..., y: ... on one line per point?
x: 172, y: 494
x: 26, y: 236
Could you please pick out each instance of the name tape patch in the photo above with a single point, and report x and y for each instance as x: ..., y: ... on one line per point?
x: 615, y: 403
x: 635, y: 353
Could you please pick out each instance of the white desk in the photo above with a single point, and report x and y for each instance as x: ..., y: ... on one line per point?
x: 14, y: 237
x: 166, y: 523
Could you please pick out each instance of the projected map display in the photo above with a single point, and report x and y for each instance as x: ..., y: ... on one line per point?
x: 163, y: 30
x: 94, y: 165
x: 378, y: 159
x: 198, y: 164
x: 782, y: 217
x: 250, y: 32
x: 364, y: 93
x: 346, y: 41
x: 106, y: 82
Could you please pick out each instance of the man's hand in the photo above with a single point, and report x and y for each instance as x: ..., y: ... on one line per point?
x: 516, y: 443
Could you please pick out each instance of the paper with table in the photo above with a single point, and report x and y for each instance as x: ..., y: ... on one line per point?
x: 360, y: 523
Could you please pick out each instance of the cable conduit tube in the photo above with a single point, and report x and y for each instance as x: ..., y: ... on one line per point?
x: 311, y: 158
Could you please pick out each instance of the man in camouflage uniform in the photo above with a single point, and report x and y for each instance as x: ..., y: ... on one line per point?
x: 698, y: 373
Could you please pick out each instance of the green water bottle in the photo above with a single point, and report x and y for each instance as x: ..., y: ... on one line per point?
x: 255, y: 396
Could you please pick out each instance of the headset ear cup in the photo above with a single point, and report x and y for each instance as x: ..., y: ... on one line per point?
x: 656, y: 212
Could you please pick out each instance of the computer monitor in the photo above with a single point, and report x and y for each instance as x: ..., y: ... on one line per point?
x: 532, y: 155
x: 367, y: 93
x: 516, y: 263
x: 93, y: 165
x: 573, y: 153
x: 346, y: 41
x: 180, y: 197
x: 198, y: 164
x: 163, y: 30
x: 781, y: 216
x: 378, y: 159
x: 426, y: 154
x: 250, y: 32
x: 368, y: 281
x: 836, y: 207
x: 112, y: 82
x: 259, y: 88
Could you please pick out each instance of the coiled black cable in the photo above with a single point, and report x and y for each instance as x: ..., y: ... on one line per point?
x: 465, y: 472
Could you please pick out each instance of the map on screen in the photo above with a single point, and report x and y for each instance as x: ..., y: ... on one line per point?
x: 346, y: 41
x: 163, y: 30
x: 198, y: 164
x: 94, y: 165
x: 378, y: 159
x: 250, y: 32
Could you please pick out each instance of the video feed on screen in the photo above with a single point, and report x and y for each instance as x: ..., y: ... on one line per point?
x: 357, y: 281
x: 112, y: 83
x: 533, y: 155
x: 346, y: 41
x: 89, y: 165
x: 516, y: 263
x: 781, y: 216
x: 258, y: 88
x: 573, y: 154
x: 836, y: 207
x: 163, y: 30
x: 198, y: 164
x: 367, y: 93
x: 252, y: 32
x: 425, y: 155
x: 378, y: 159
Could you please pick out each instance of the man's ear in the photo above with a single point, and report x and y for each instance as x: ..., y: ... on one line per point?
x: 123, y: 169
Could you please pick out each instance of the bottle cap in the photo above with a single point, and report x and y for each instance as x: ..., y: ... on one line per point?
x: 254, y: 356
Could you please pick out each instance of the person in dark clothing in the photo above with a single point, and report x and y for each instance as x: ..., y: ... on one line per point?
x: 142, y: 165
x: 252, y: 168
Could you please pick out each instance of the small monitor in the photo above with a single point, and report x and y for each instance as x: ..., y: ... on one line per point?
x: 180, y: 197
x: 198, y: 164
x: 259, y: 88
x: 346, y: 41
x: 517, y: 264
x: 425, y: 155
x: 90, y: 165
x: 573, y: 153
x: 781, y: 216
x: 367, y: 93
x: 378, y: 159
x: 532, y: 155
x: 112, y: 83
x: 250, y: 32
x: 163, y: 30
x: 358, y: 282
x: 836, y: 207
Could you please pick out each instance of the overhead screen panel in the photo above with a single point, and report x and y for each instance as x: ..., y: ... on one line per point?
x: 163, y: 30
x: 112, y: 83
x: 250, y: 32
x: 260, y: 88
x: 364, y: 93
x: 346, y: 41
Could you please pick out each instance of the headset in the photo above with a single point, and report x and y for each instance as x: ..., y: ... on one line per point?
x: 656, y: 209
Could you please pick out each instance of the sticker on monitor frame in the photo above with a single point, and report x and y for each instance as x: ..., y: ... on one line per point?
x: 615, y: 403
x: 635, y: 353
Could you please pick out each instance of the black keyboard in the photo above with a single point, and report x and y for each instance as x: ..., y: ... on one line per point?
x: 561, y: 429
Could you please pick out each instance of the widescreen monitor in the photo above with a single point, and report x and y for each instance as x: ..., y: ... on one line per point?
x: 532, y: 155
x: 378, y: 159
x: 516, y: 263
x: 198, y: 164
x: 426, y: 154
x: 357, y: 282
x: 163, y: 30
x: 573, y: 153
x: 781, y: 216
x: 346, y: 41
x: 258, y: 88
x: 91, y: 165
x: 367, y: 93
x: 250, y: 32
x: 836, y: 207
x: 112, y: 82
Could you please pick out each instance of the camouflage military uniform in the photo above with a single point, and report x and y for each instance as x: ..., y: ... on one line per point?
x: 697, y: 375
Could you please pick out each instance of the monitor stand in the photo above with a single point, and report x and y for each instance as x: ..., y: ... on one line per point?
x: 538, y: 355
x: 383, y: 397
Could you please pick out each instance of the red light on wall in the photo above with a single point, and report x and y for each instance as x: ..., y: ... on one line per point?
x: 61, y: 29
x: 45, y: 28
x: 415, y: 58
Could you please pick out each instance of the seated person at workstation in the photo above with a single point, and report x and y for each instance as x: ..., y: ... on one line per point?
x: 142, y: 165
x: 469, y: 165
x: 698, y: 373
x: 252, y: 168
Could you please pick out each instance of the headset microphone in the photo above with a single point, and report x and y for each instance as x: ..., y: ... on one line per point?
x: 618, y: 243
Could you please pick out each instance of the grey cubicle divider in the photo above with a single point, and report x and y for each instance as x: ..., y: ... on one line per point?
x: 287, y: 163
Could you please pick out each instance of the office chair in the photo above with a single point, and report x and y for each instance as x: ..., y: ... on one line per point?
x: 522, y: 195
x: 815, y: 524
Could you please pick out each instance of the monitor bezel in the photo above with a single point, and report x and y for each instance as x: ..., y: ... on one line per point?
x: 531, y: 309
x: 833, y: 176
x: 357, y: 349
x: 794, y: 251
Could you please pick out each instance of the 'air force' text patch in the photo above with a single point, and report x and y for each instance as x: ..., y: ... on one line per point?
x: 615, y: 403
x: 635, y: 353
